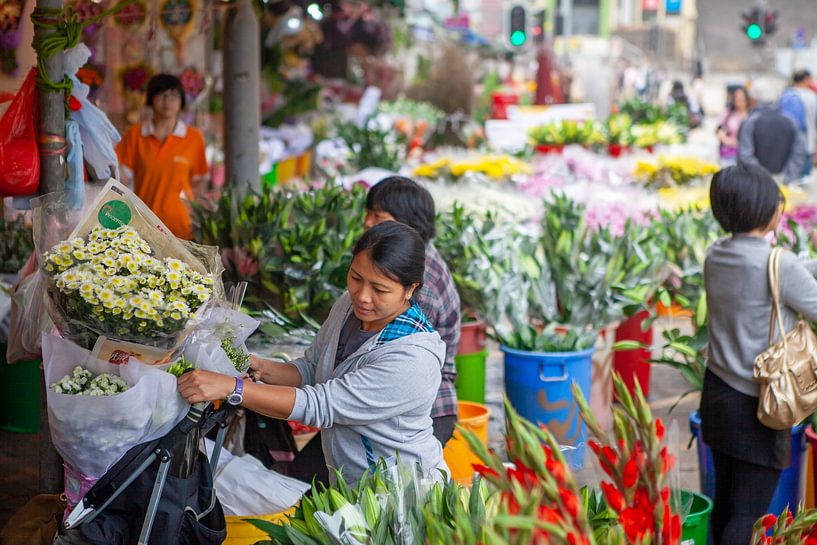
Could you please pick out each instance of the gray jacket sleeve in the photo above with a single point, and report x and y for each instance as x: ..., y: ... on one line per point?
x: 797, y: 158
x: 798, y: 288
x: 746, y: 141
x: 396, y: 381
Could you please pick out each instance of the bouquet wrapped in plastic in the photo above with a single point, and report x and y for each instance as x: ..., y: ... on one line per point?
x: 92, y: 431
x: 114, y: 270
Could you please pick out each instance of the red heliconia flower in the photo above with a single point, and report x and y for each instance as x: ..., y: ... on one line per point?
x: 789, y: 517
x: 665, y: 494
x: 510, y: 501
x: 484, y: 470
x: 636, y: 523
x: 572, y: 539
x: 768, y: 521
x: 557, y: 469
x: 570, y: 502
x: 671, y: 527
x: 523, y: 475
x: 612, y: 496
x: 607, y: 457
x: 659, y: 429
x: 550, y: 515
x: 73, y: 104
x: 638, y: 453
x: 642, y: 499
x: 667, y: 461
x: 630, y: 475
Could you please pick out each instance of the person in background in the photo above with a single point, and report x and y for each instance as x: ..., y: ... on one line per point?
x: 748, y: 456
x: 771, y: 139
x: 730, y: 125
x: 678, y: 95
x: 404, y: 200
x: 163, y: 158
x: 371, y: 375
x: 800, y: 103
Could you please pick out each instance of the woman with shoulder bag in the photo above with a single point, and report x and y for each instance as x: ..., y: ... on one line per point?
x: 748, y: 456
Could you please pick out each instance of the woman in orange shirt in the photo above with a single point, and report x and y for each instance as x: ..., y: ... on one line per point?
x: 164, y: 158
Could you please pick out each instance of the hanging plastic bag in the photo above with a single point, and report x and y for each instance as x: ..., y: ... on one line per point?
x: 99, y: 136
x: 19, y: 156
x: 75, y: 184
x: 29, y: 317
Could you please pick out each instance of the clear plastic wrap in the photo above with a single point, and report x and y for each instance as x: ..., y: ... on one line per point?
x: 114, y: 270
x: 29, y: 317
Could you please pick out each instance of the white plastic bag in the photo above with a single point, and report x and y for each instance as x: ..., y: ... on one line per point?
x: 245, y: 488
x: 204, y: 347
x: 92, y: 433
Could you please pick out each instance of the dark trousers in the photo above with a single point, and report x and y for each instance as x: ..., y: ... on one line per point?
x: 743, y: 492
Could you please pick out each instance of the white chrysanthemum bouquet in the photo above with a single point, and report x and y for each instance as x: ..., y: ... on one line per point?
x: 112, y: 284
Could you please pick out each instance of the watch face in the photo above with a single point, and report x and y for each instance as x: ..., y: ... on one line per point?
x: 235, y: 399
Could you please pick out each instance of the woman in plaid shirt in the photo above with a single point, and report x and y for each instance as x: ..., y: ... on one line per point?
x: 400, y: 199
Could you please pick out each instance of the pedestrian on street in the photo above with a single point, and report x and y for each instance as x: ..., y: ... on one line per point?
x: 771, y: 139
x: 800, y: 103
x: 729, y: 126
x: 163, y: 158
x: 748, y: 456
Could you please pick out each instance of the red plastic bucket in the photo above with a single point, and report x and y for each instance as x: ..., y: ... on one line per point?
x: 634, y: 365
x: 472, y: 338
x: 550, y: 148
x: 499, y: 103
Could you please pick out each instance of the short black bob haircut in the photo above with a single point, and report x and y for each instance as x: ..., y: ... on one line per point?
x: 407, y: 201
x: 801, y: 75
x: 744, y: 197
x: 164, y: 82
x: 396, y: 250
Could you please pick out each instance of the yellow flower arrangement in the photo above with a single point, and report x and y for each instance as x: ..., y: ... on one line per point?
x: 670, y: 171
x: 496, y: 167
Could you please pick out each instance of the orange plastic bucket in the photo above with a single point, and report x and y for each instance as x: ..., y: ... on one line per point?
x: 472, y: 416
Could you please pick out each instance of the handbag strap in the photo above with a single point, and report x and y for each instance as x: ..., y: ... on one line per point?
x: 776, y: 318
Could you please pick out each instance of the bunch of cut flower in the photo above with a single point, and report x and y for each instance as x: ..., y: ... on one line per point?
x: 787, y: 529
x: 540, y: 501
x: 82, y: 382
x: 389, y: 506
x: 112, y: 285
x: 494, y: 167
x: 671, y: 171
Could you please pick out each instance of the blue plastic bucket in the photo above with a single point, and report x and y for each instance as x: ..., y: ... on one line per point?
x: 790, y: 489
x: 538, y: 386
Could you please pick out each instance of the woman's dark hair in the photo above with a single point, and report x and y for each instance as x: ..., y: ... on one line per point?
x: 407, y: 201
x: 396, y: 250
x: 161, y: 83
x: 735, y: 91
x: 744, y: 197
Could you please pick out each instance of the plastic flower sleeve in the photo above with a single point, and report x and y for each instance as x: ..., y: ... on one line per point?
x: 92, y: 433
x: 115, y: 270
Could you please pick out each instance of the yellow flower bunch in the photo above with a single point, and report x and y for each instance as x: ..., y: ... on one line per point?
x: 669, y: 171
x: 496, y: 167
x: 112, y: 285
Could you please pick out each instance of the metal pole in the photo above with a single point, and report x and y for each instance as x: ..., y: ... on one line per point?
x: 242, y: 102
x: 51, y: 135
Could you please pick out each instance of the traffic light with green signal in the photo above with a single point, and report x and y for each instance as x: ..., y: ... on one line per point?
x: 517, y: 27
x: 759, y: 23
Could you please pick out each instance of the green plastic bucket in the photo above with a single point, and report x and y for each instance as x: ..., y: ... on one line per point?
x: 19, y: 395
x: 695, y: 529
x: 470, y: 382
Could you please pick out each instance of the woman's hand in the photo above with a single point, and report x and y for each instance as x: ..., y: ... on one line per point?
x: 200, y: 385
x: 257, y: 367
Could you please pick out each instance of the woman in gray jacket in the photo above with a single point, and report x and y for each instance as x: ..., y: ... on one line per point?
x: 371, y: 375
x: 748, y: 456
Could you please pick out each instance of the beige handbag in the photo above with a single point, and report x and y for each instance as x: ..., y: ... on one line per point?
x: 787, y: 370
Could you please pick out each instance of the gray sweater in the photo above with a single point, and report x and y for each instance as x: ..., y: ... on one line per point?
x: 376, y: 403
x: 740, y: 302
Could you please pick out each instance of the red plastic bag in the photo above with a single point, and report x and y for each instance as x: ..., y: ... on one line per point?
x: 19, y: 156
